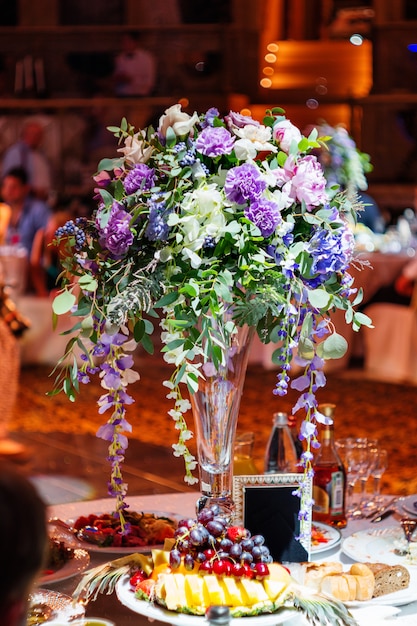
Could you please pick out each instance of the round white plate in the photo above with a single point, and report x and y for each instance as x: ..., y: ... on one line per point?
x: 76, y: 565
x: 377, y: 545
x: 408, y: 502
x: 92, y: 547
x: 332, y: 535
x: 152, y: 612
x: 61, y: 605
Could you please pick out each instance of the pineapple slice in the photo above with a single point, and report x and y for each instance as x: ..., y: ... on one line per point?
x: 279, y: 572
x: 167, y: 589
x: 232, y: 592
x: 194, y: 590
x: 213, y: 589
x: 274, y: 588
x: 253, y: 591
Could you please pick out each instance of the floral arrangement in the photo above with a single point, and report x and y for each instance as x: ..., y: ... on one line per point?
x: 343, y: 163
x: 202, y: 215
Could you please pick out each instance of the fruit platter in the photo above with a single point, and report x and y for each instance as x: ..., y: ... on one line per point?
x: 210, y: 562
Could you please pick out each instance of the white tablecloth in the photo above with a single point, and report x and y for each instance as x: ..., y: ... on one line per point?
x: 184, y: 504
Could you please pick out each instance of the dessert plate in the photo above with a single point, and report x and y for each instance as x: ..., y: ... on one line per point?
x: 76, y: 565
x: 377, y: 545
x: 153, y: 612
x: 323, y: 537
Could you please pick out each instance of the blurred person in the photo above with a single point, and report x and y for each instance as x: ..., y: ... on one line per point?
x: 27, y: 154
x: 134, y: 69
x: 27, y: 214
x: 44, y: 262
x: 23, y: 543
x: 5, y: 213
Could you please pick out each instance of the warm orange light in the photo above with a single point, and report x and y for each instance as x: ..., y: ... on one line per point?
x: 266, y: 82
x: 270, y: 58
x: 184, y: 102
x: 247, y: 112
x: 268, y: 71
x: 272, y: 47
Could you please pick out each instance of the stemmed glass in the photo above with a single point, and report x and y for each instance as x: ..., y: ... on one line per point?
x: 379, y: 467
x: 350, y: 454
x: 369, y: 458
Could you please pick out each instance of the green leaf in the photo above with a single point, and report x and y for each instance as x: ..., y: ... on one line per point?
x: 88, y: 283
x: 306, y: 348
x: 319, y: 298
x: 360, y: 319
x: 166, y: 300
x: 139, y: 330
x: 333, y: 347
x: 192, y: 382
x: 147, y: 344
x: 63, y: 302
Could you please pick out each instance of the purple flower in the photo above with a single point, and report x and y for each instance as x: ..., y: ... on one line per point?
x: 239, y: 120
x: 329, y: 252
x: 209, y: 117
x: 214, y: 141
x: 265, y: 214
x: 116, y: 235
x: 140, y: 177
x: 157, y: 228
x: 244, y: 183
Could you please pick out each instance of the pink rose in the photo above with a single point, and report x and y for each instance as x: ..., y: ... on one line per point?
x: 284, y: 133
x: 308, y: 182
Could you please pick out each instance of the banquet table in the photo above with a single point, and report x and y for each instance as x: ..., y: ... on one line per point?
x: 108, y: 606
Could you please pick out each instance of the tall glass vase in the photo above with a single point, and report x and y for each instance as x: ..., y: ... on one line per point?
x: 215, y: 409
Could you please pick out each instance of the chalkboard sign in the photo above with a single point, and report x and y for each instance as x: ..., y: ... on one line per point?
x: 266, y: 505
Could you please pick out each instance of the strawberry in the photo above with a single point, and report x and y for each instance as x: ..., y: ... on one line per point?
x: 137, y: 578
x: 146, y: 588
x: 237, y: 533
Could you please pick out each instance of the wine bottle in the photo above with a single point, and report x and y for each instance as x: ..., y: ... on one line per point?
x: 281, y: 455
x: 329, y: 477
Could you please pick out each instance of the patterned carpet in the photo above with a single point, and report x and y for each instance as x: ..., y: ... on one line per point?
x: 364, y: 408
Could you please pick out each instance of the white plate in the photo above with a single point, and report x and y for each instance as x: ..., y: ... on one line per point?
x: 152, y: 612
x: 61, y: 605
x: 332, y: 535
x: 407, y: 504
x: 398, y: 598
x: 76, y: 565
x: 92, y: 547
x: 377, y: 546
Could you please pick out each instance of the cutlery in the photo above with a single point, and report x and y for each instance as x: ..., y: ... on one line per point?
x: 383, y: 516
x: 381, y: 509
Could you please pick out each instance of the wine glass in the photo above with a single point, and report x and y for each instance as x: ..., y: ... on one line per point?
x: 378, y: 469
x: 348, y: 452
x: 369, y: 458
x: 408, y: 526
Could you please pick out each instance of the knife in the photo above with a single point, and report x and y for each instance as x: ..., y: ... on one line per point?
x: 382, y: 516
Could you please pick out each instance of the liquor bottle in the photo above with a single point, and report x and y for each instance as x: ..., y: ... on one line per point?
x: 329, y: 478
x: 281, y: 455
x: 218, y: 615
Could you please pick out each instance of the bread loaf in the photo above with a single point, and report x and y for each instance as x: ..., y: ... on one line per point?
x: 315, y: 572
x: 336, y: 585
x: 389, y: 578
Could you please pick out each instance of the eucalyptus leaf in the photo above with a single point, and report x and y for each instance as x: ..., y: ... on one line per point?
x: 306, y: 348
x: 318, y: 298
x: 63, y: 302
x: 333, y: 347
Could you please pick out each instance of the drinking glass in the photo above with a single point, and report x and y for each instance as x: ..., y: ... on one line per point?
x: 379, y: 467
x: 349, y: 453
x: 368, y: 461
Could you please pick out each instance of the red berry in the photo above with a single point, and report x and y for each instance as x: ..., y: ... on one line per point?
x: 137, y: 578
x: 206, y: 567
x: 237, y: 570
x: 209, y: 553
x: 248, y: 571
x: 261, y: 570
x: 220, y: 567
x: 237, y: 533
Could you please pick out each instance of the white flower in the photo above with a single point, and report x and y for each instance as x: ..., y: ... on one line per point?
x: 135, y: 150
x: 253, y: 139
x: 286, y: 134
x: 180, y: 122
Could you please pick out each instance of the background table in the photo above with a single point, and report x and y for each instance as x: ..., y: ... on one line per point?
x: 183, y: 504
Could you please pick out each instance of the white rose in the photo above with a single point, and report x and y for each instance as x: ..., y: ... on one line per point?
x: 180, y: 122
x: 253, y: 139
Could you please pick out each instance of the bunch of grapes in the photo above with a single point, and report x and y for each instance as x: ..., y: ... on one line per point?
x: 219, y: 548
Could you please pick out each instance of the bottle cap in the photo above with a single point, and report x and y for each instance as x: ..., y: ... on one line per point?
x: 281, y: 419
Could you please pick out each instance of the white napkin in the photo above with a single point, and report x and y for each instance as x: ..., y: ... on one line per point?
x: 376, y: 615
